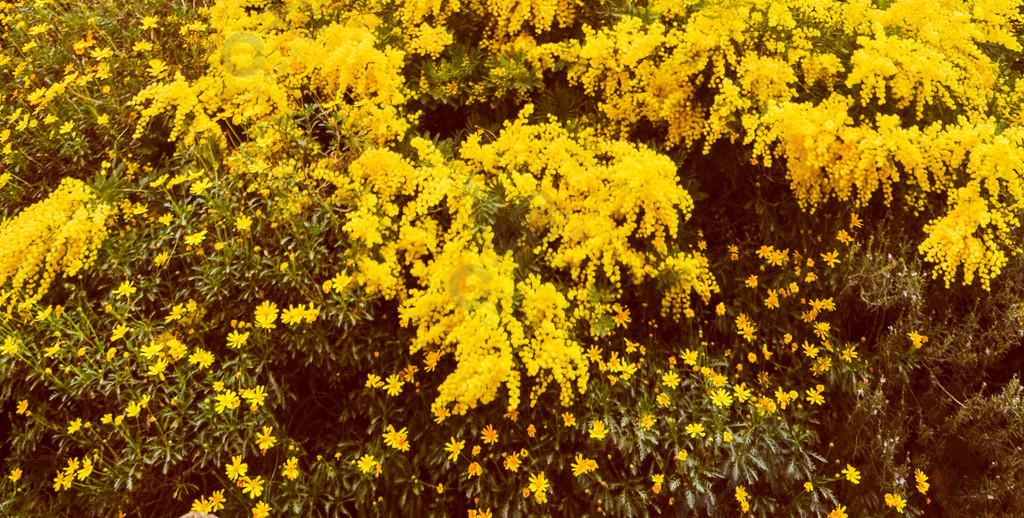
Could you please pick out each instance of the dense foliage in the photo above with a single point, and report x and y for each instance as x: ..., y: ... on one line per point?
x: 517, y: 257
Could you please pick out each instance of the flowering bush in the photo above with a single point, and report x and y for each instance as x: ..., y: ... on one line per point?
x: 533, y: 258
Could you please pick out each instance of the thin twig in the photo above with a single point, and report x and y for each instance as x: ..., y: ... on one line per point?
x: 935, y: 380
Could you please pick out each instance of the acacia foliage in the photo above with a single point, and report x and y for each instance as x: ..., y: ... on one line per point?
x: 395, y: 257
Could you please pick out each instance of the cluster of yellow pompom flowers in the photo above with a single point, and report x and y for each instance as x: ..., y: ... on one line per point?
x: 58, y: 235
